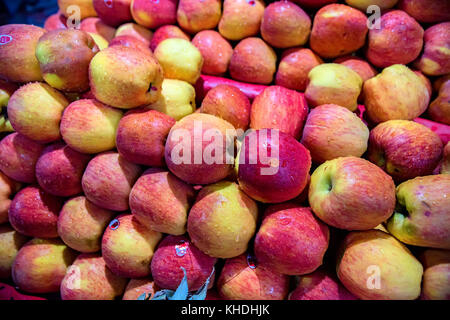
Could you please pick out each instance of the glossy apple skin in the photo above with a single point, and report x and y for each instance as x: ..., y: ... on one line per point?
x: 404, y: 149
x: 135, y: 30
x: 88, y: 278
x: 439, y: 109
x: 272, y: 180
x: 137, y: 287
x: 364, y: 4
x: 161, y: 201
x: 426, y: 11
x: 175, y: 252
x: 153, y: 14
x: 141, y: 136
x: 113, y: 12
x: 435, y: 277
x: 332, y: 131
x: 10, y: 243
x: 279, y: 108
x: 129, y: 41
x: 166, y: 32
x: 359, y: 65
x: 195, y: 16
x: 351, y: 193
x: 55, y: 21
x: 421, y: 217
x: 291, y: 240
x: 243, y: 278
x: 98, y: 26
x: 338, y: 30
x: 398, y: 41
x: 313, y: 3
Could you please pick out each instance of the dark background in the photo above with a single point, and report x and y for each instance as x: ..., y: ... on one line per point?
x: 26, y: 11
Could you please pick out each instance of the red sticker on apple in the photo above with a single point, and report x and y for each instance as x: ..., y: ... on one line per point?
x: 181, y: 248
x: 5, y: 38
x: 114, y: 224
x: 251, y: 2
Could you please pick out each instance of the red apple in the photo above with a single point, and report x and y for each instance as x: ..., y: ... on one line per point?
x: 98, y: 26
x: 10, y: 243
x: 153, y: 14
x: 195, y: 16
x: 55, y: 21
x: 113, y: 12
x: 129, y: 41
x: 426, y: 11
x: 314, y: 3
x: 166, y: 32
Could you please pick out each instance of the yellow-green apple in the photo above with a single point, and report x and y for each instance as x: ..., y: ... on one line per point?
x: 295, y: 64
x: 34, y: 213
x: 141, y: 136
x: 59, y: 170
x: 313, y: 4
x: 177, y: 99
x: 445, y: 168
x: 99, y: 40
x: 222, y: 220
x: 421, y: 216
x: 41, y: 264
x: 88, y: 278
x: 272, y: 166
x: 110, y: 82
x: 241, y: 18
x: 426, y: 81
x: 194, y: 16
x: 18, y: 61
x: 179, y: 59
x: 6, y: 91
x: 161, y: 201
x: 243, y: 278
x: 129, y: 41
x: 279, y: 108
x: 338, y: 30
x: 253, y: 61
x: 81, y: 224
x: 364, y: 4
x: 153, y: 14
x: 426, y: 11
x: 284, y: 25
x: 320, y: 285
x: 229, y: 103
x: 351, y: 193
x: 439, y: 109
x: 216, y: 51
x: 373, y: 265
x: 98, y: 26
x: 108, y: 179
x: 200, y: 149
x: 435, y: 59
x: 397, y: 93
x: 7, y: 189
x: 128, y: 247
x: 85, y: 8
x: 436, y: 274
x: 89, y: 126
x: 404, y: 149
x: 166, y: 32
x: 333, y: 83
x: 176, y: 252
x: 10, y: 243
x: 35, y: 111
x: 398, y: 40
x: 332, y: 131
x: 55, y: 21
x: 113, y: 12
x: 136, y: 287
x: 18, y: 157
x: 135, y: 30
x: 291, y: 240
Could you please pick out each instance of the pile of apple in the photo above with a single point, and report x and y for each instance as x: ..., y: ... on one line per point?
x: 355, y: 204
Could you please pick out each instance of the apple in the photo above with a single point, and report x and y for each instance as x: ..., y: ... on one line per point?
x: 135, y: 30
x: 174, y: 253
x: 426, y: 81
x: 364, y: 4
x: 295, y: 64
x: 284, y: 25
x: 108, y: 179
x: 439, y: 109
x: 445, y: 168
x: 55, y: 21
x: 272, y: 166
x: 437, y: 83
x: 435, y: 277
x: 243, y: 278
x: 88, y: 278
x: 398, y: 40
x: 7, y: 188
x: 10, y: 243
x: 332, y: 83
x: 216, y: 51
x: 113, y: 12
x: 241, y: 18
x: 397, y: 93
x: 18, y: 157
x: 136, y: 287
x: 313, y: 4
x: 253, y: 61
x: 81, y: 224
x: 18, y: 61
x: 98, y: 26
x: 161, y: 201
x: 222, y: 220
x: 128, y: 247
x: 332, y: 131
x: 99, y: 40
x: 153, y: 14
x: 179, y: 59
x: 200, y: 149
x: 6, y: 91
x: 351, y: 193
x: 426, y: 11
x: 129, y: 41
x: 373, y: 265
x: 110, y: 82
x: 84, y: 7
x: 166, y: 32
x: 291, y: 240
x: 41, y: 264
x: 228, y: 103
x: 365, y: 70
x: 195, y: 16
x: 421, y: 216
x: 404, y: 149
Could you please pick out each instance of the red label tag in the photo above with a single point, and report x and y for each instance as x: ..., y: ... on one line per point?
x: 5, y: 38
